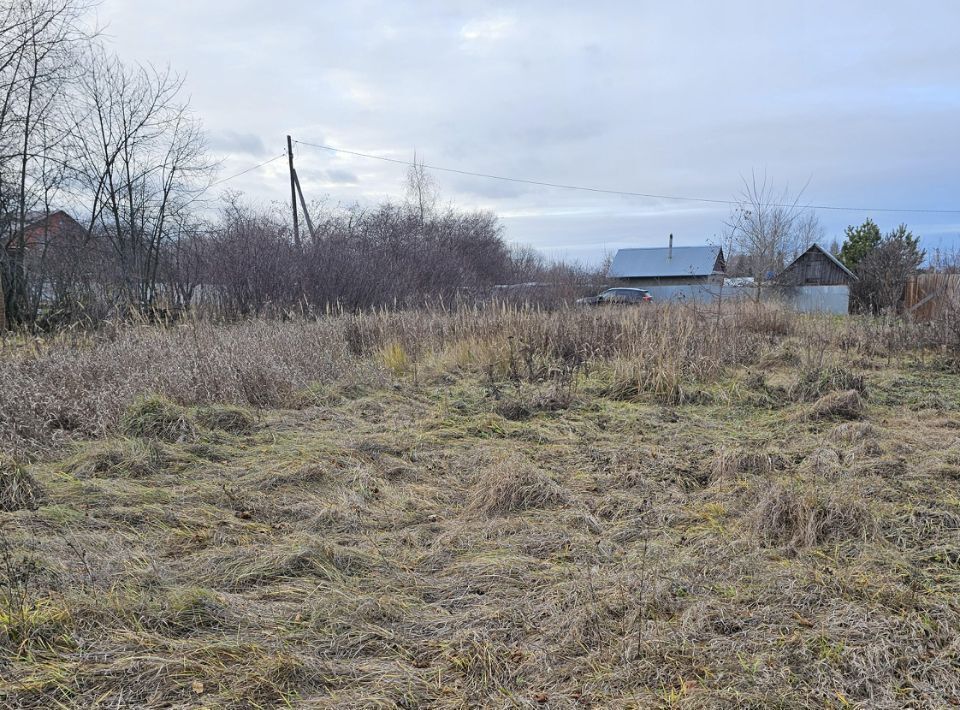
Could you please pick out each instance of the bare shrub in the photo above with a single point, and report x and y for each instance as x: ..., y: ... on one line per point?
x: 18, y: 489
x: 512, y: 486
x: 797, y: 517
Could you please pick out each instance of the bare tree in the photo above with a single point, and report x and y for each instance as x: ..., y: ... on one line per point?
x: 141, y: 160
x: 422, y: 192
x: 183, y: 263
x: 767, y: 228
x: 809, y: 231
x: 39, y: 44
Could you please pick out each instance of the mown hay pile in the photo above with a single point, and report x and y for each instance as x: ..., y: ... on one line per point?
x: 18, y: 489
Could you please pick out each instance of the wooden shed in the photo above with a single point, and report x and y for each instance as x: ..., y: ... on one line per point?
x: 815, y: 282
x: 816, y: 267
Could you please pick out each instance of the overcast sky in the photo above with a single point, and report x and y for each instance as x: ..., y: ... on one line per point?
x: 859, y: 99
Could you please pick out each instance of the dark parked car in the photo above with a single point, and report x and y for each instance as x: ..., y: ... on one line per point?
x: 617, y: 295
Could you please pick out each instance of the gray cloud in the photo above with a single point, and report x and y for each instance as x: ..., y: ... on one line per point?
x: 678, y: 98
x: 233, y: 142
x: 341, y: 177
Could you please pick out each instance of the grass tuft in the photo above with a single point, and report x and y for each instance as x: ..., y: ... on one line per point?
x: 817, y: 382
x: 797, y: 517
x: 513, y: 486
x: 823, y: 462
x: 854, y: 432
x: 837, y: 405
x: 395, y: 358
x: 187, y: 610
x: 154, y: 417
x: 222, y: 417
x: 18, y: 489
x: 731, y: 464
x: 250, y: 566
x: 125, y: 458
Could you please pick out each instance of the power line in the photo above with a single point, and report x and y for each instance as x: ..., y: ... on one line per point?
x: 248, y: 170
x: 622, y: 193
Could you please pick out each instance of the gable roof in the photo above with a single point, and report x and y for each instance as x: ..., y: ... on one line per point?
x: 662, y: 262
x: 816, y: 247
x: 37, y: 218
x: 44, y: 228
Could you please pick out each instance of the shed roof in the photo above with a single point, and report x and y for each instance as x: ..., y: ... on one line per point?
x: 660, y: 262
x: 816, y: 247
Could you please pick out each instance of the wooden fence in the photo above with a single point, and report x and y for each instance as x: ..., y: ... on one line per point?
x: 930, y: 296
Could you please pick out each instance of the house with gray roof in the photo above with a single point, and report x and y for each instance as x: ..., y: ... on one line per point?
x: 669, y: 266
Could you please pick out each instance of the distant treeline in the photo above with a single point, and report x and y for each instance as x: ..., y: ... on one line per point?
x: 117, y: 148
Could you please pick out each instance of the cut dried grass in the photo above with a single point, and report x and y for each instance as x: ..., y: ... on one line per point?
x: 126, y: 458
x: 734, y: 463
x: 523, y: 403
x: 837, y: 405
x: 513, y: 486
x: 791, y: 515
x: 224, y: 417
x: 823, y: 462
x: 473, y: 578
x: 817, y: 382
x: 188, y: 610
x: 253, y: 565
x: 854, y: 432
x: 154, y: 417
x: 18, y: 489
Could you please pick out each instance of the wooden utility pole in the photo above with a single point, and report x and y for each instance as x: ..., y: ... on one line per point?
x: 303, y: 206
x: 293, y: 193
x: 3, y: 304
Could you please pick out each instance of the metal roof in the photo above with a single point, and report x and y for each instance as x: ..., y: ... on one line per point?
x: 661, y: 262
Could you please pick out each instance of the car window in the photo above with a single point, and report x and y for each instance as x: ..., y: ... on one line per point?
x: 625, y: 294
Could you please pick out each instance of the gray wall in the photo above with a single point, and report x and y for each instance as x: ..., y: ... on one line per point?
x: 806, y: 299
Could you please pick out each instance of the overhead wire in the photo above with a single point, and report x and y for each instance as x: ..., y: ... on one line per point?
x: 622, y: 193
x: 248, y: 170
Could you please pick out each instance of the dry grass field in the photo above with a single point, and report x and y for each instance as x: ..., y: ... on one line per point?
x: 654, y: 507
